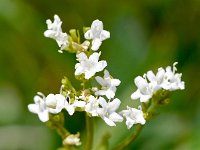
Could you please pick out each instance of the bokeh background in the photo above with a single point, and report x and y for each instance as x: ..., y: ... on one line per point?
x: 145, y: 35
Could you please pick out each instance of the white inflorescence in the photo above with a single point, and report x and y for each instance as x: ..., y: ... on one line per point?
x: 72, y: 139
x: 39, y: 108
x: 99, y: 101
x: 166, y: 79
x: 107, y: 111
x: 54, y: 31
x: 97, y: 34
x: 108, y: 85
x: 133, y: 116
x: 89, y: 66
x: 53, y: 104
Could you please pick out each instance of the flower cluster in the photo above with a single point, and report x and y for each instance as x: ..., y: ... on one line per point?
x: 166, y: 79
x: 53, y: 104
x: 96, y: 96
x: 55, y: 32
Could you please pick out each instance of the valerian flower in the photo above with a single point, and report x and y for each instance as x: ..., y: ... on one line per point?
x: 92, y: 105
x: 166, y: 79
x: 133, y: 116
x: 72, y: 139
x: 97, y: 34
x: 55, y: 32
x: 108, y: 85
x: 89, y: 66
x: 70, y: 107
x: 173, y: 79
x: 40, y: 107
x: 107, y: 111
x: 55, y: 103
x: 144, y: 91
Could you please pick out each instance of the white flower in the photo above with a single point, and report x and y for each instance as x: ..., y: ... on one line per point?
x: 55, y: 103
x: 144, y: 91
x: 92, y: 105
x: 71, y: 107
x: 156, y: 80
x: 39, y: 108
x: 167, y: 79
x: 133, y: 116
x: 55, y: 32
x: 89, y: 66
x: 172, y: 80
x: 108, y: 85
x: 107, y: 112
x: 72, y: 139
x: 97, y: 34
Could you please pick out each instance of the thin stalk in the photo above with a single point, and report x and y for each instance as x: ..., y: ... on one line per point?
x: 124, y: 144
x: 89, y: 133
x: 130, y: 139
x: 62, y: 131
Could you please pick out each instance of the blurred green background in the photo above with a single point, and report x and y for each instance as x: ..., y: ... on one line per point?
x: 145, y: 35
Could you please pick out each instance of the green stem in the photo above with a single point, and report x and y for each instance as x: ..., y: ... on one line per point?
x: 62, y: 131
x: 89, y: 133
x: 137, y: 130
x: 130, y: 139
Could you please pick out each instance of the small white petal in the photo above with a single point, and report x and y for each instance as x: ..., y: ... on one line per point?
x: 114, y: 105
x: 79, y: 103
x: 100, y: 80
x: 89, y: 74
x: 116, y: 117
x: 102, y: 102
x: 109, y: 122
x: 96, y: 28
x: 115, y: 82
x: 96, y: 43
x: 37, y: 99
x: 49, y: 33
x: 94, y: 57
x: 88, y: 35
x: 79, y: 69
x: 129, y: 123
x: 109, y: 93
x: 44, y: 116
x: 104, y: 35
x: 100, y: 92
x: 81, y: 57
x: 151, y: 76
x: 70, y: 109
x: 140, y: 82
x: 136, y: 95
x: 33, y: 108
x: 106, y: 74
x: 101, y: 65
x: 145, y: 98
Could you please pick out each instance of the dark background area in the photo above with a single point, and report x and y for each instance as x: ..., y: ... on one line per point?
x: 145, y: 35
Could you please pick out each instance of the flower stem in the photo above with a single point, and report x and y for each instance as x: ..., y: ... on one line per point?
x: 137, y: 130
x: 62, y: 131
x: 130, y: 139
x: 89, y: 133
